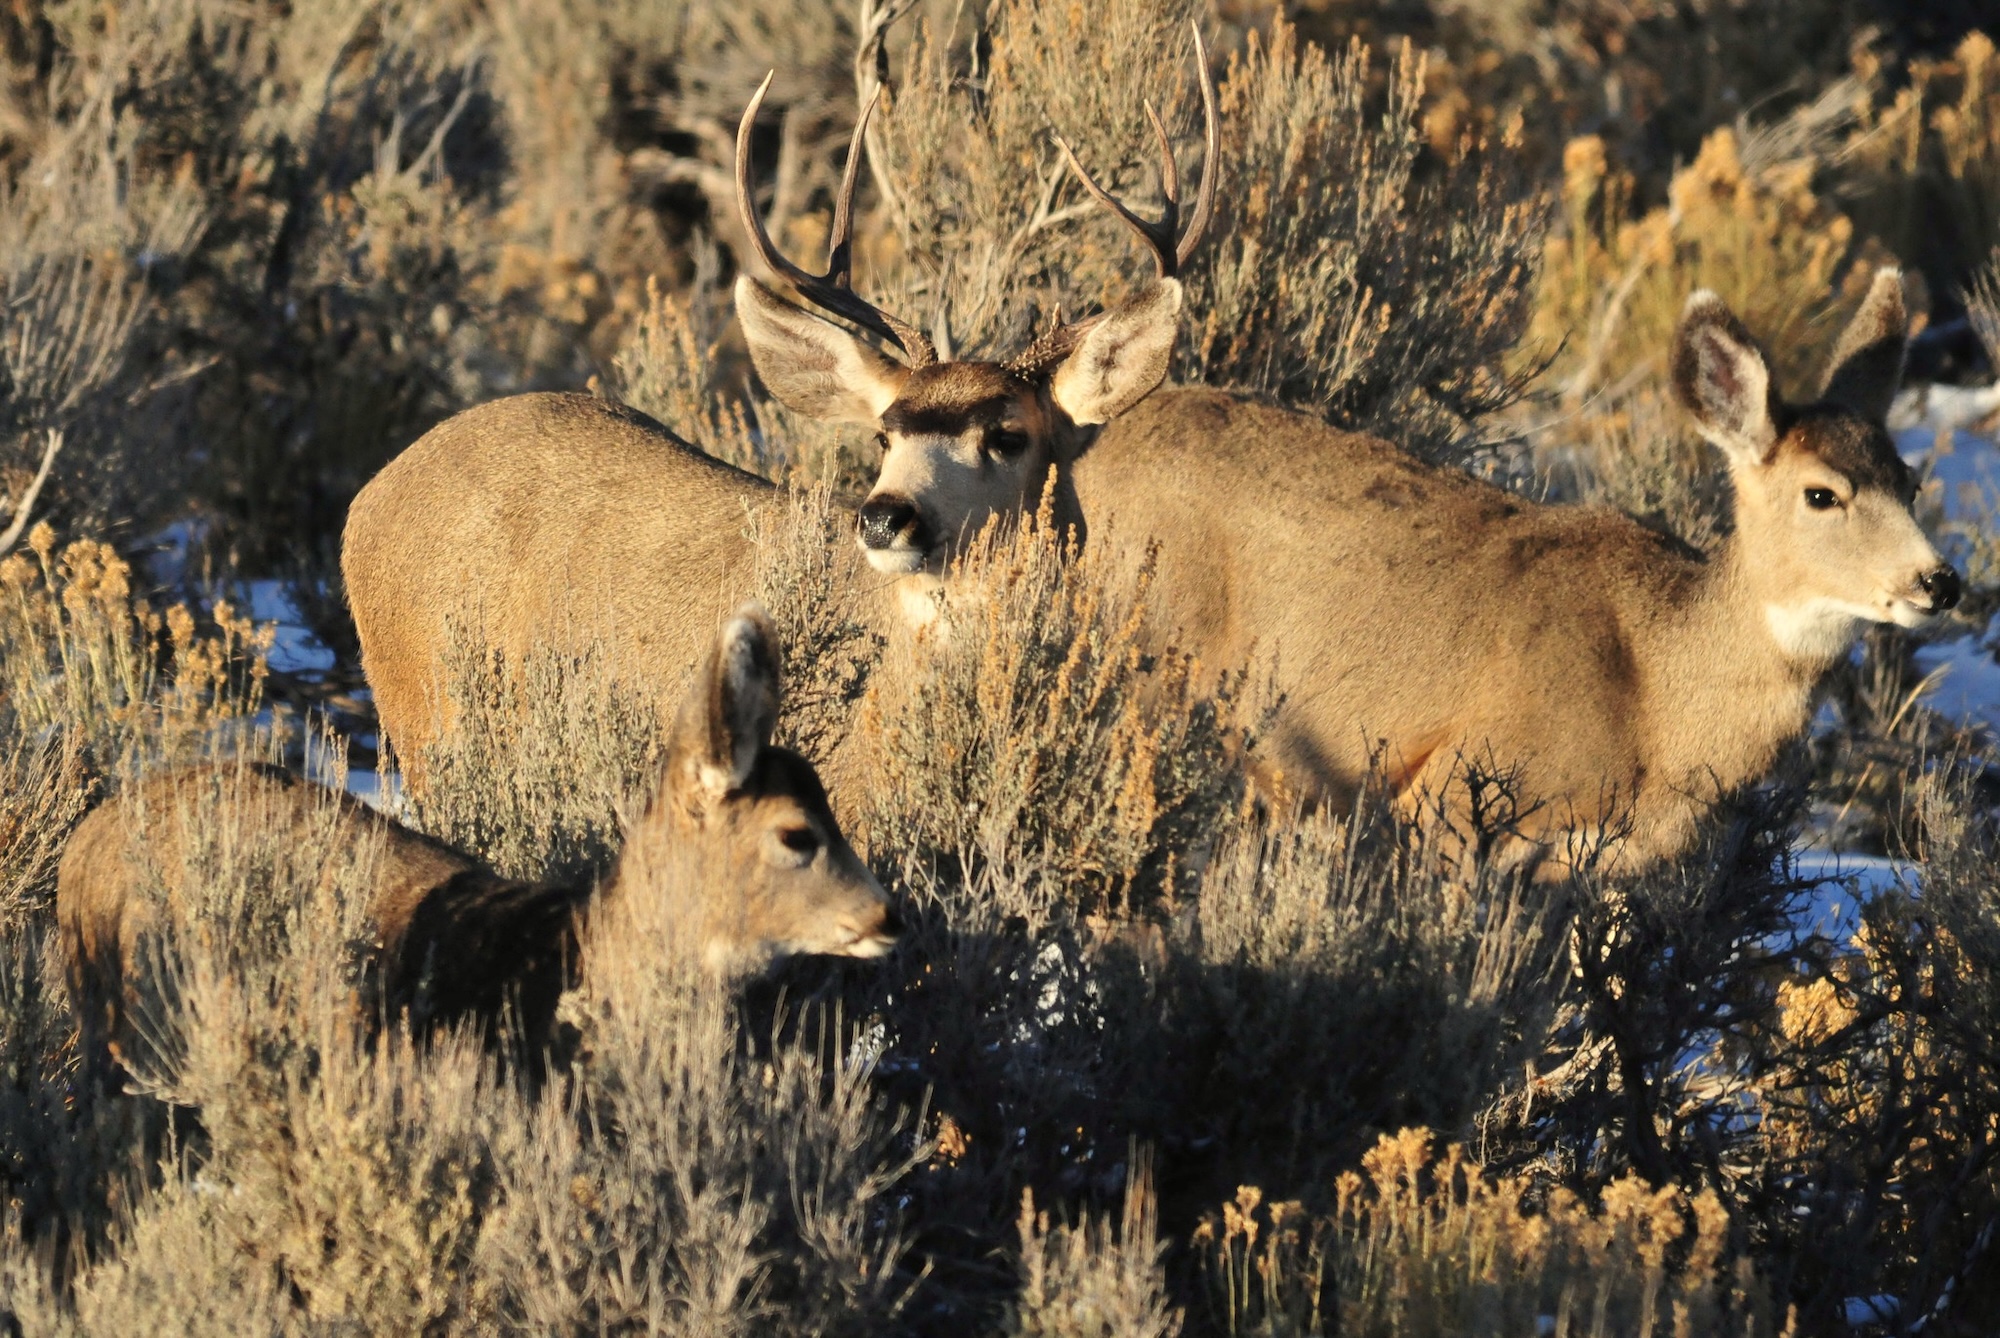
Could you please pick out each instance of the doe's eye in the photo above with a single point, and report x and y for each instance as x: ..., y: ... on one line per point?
x: 802, y: 839
x: 1821, y: 499
x: 1004, y: 441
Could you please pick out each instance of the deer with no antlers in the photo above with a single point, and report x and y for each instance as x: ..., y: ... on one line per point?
x: 560, y: 519
x: 738, y: 847
x: 1427, y: 619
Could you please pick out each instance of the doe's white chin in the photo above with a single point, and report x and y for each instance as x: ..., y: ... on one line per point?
x: 1905, y: 614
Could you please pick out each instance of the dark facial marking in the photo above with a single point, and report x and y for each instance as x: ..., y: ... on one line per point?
x: 947, y: 399
x: 1856, y: 448
x: 782, y: 772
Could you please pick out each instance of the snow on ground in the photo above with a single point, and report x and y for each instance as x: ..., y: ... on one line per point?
x: 1967, y: 686
x: 1834, y: 907
x: 297, y: 650
x: 1964, y: 459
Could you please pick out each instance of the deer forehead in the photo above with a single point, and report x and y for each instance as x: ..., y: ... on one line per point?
x: 1860, y: 452
x: 782, y: 790
x: 955, y: 397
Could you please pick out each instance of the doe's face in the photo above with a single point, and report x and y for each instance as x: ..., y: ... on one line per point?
x: 1835, y: 530
x: 962, y: 443
x: 739, y: 846
x: 1823, y: 501
x: 789, y: 881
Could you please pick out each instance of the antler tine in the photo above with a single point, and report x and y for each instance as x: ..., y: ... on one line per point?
x: 839, y: 251
x: 832, y: 291
x: 1204, y: 196
x: 1153, y: 234
x: 1170, y: 171
x: 1168, y: 257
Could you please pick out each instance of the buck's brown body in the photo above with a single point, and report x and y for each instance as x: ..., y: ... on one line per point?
x: 558, y: 520
x: 738, y: 851
x: 543, y: 519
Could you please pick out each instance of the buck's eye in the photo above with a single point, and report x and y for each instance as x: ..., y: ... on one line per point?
x: 1821, y: 499
x: 1006, y: 442
x: 802, y: 840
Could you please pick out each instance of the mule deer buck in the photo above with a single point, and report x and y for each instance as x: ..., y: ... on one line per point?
x: 1429, y: 619
x: 738, y: 840
x: 561, y: 519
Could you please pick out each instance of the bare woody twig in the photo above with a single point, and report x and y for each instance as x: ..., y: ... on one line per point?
x: 25, y: 508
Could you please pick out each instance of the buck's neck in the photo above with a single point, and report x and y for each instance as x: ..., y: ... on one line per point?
x: 1737, y: 678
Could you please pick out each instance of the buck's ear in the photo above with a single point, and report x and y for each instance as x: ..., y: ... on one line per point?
x: 1121, y: 357
x: 732, y: 707
x: 813, y: 366
x: 1721, y: 379
x: 1867, y: 365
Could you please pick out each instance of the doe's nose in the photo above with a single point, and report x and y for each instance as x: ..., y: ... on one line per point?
x: 1943, y: 586
x: 883, y: 519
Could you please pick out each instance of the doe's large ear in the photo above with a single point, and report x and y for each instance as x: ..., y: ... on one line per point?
x: 733, y: 706
x: 1720, y: 377
x: 813, y: 366
x: 1121, y: 357
x: 1867, y: 365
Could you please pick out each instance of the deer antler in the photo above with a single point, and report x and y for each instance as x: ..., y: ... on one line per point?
x: 833, y: 290
x: 1160, y: 236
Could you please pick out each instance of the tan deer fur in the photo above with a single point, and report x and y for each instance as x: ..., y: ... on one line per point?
x: 560, y: 520
x: 1427, y: 619
x: 542, y: 519
x: 738, y: 836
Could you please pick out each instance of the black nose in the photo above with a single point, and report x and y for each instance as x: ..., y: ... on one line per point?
x: 884, y: 518
x: 892, y: 924
x: 1944, y: 588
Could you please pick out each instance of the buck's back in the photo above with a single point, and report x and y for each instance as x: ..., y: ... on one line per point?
x: 545, y: 519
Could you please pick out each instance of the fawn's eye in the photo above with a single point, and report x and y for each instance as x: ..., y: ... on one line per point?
x: 1821, y: 499
x: 1006, y: 442
x: 804, y: 840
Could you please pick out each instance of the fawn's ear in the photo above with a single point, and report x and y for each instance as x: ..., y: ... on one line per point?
x: 1866, y: 369
x: 1720, y: 377
x: 813, y: 366
x: 732, y: 708
x: 1121, y: 357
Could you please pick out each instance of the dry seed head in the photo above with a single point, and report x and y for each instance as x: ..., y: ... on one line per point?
x: 115, y: 589
x: 952, y: 1142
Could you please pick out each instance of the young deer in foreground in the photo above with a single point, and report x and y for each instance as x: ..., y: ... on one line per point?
x: 738, y: 838
x: 560, y: 519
